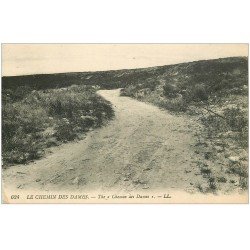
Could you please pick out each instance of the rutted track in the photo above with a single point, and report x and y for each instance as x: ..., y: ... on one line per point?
x: 142, y: 148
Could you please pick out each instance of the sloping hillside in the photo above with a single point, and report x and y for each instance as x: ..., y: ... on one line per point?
x: 33, y: 121
x: 195, y: 81
x: 214, y: 92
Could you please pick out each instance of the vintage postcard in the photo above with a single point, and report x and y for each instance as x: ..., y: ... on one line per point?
x: 124, y: 123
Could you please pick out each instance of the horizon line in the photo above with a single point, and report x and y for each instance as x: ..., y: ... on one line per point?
x: 122, y: 69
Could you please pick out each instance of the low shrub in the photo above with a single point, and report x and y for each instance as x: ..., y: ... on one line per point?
x: 236, y: 119
x: 20, y: 120
x: 242, y: 137
x: 212, y: 184
x: 150, y: 84
x: 170, y: 90
x: 67, y: 112
x: 22, y: 148
x: 233, y: 120
x: 196, y: 93
x: 221, y: 179
x: 214, y: 124
x: 243, y: 183
x: 130, y: 91
x: 174, y: 104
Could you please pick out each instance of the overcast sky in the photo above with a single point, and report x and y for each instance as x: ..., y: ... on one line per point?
x: 22, y: 59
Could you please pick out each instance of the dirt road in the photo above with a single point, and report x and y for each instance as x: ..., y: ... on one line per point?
x: 142, y: 148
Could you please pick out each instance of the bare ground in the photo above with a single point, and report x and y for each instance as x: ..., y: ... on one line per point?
x: 142, y: 148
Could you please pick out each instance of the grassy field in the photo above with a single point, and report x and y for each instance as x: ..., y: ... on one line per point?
x: 34, y: 120
x: 40, y: 111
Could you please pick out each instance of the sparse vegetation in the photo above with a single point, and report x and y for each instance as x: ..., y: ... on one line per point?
x: 212, y: 184
x: 200, y: 188
x: 44, y: 110
x: 215, y: 92
x: 44, y: 118
x: 170, y: 90
x: 221, y: 179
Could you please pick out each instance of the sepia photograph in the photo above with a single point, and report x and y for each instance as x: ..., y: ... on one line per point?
x: 124, y: 123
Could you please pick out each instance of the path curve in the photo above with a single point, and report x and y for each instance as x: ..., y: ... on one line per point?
x: 142, y: 148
